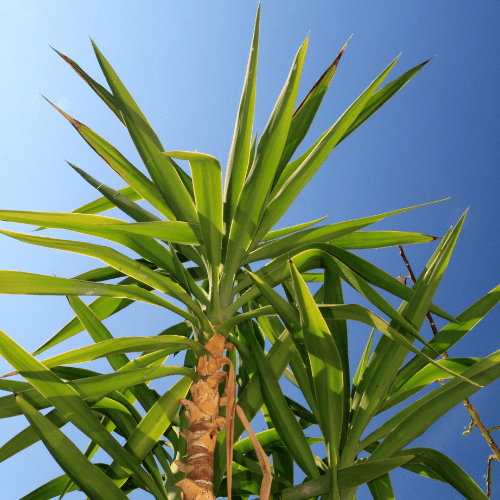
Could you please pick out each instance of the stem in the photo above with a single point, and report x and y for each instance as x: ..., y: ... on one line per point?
x: 484, y: 431
x: 204, y: 423
x: 488, y: 476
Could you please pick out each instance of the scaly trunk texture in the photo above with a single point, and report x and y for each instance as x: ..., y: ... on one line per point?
x: 205, y: 422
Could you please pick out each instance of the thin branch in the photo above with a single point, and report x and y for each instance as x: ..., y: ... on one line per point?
x: 488, y: 476
x: 484, y: 431
x: 414, y: 280
x: 470, y: 429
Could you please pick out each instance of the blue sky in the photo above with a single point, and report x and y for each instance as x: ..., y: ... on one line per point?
x: 184, y: 62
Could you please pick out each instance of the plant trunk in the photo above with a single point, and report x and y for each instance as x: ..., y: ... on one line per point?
x: 205, y: 422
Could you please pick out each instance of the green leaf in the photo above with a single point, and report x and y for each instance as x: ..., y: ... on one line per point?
x: 449, y: 335
x: 381, y: 488
x: 103, y: 204
x: 306, y: 112
x: 107, y: 273
x: 282, y: 416
x: 102, y: 307
x: 227, y: 326
x: 130, y: 174
x: 251, y: 400
x: 282, y: 199
x: 388, y: 357
x: 148, y: 248
x: 363, y: 362
x: 246, y: 482
x: 348, y: 477
x: 173, y: 231
x: 50, y: 490
x: 273, y: 235
x: 96, y: 387
x: 19, y: 283
x: 13, y: 385
x: 415, y: 419
x: 149, y: 430
x: 118, y: 261
x: 125, y: 204
x: 376, y: 276
x: 287, y: 312
x: 379, y: 98
x: 28, y: 436
x: 327, y: 373
x: 97, y: 331
x: 207, y: 183
x: 359, y: 313
x: 102, y: 92
x: 239, y: 154
x: 319, y: 235
x: 122, y: 345
x: 88, y: 477
x: 255, y: 192
x: 425, y: 377
x: 333, y: 294
x: 444, y: 469
x: 163, y: 172
x: 312, y: 259
x: 380, y: 239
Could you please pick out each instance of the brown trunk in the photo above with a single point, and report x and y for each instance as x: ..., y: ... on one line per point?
x: 205, y: 422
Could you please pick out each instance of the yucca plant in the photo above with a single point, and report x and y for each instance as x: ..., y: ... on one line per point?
x: 198, y: 245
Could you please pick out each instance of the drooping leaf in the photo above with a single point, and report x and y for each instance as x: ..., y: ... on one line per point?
x: 172, y: 231
x: 121, y: 345
x: 149, y: 430
x: 444, y: 469
x: 89, y: 478
x: 92, y: 389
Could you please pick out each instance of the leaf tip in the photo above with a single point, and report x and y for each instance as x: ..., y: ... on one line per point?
x: 73, y: 122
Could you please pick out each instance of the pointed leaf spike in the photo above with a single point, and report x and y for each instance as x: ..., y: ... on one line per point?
x: 305, y: 113
x: 255, y: 192
x: 102, y: 92
x: 163, y: 172
x: 240, y: 147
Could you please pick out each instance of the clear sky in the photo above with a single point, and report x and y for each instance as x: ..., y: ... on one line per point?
x: 184, y: 62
